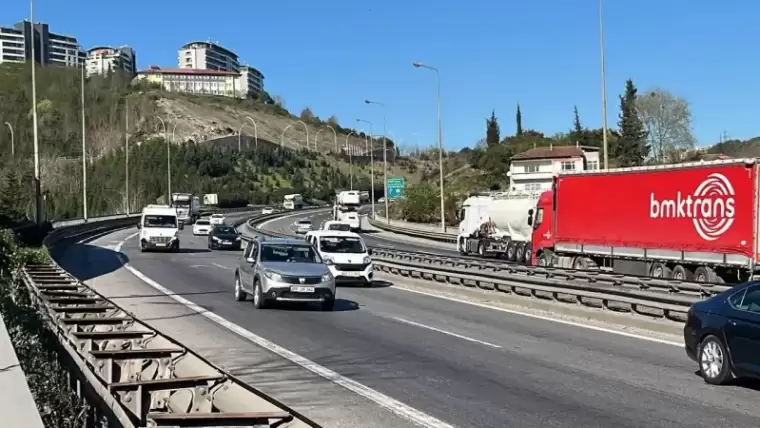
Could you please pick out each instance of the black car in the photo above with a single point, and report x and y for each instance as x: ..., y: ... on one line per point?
x: 722, y: 334
x: 224, y: 237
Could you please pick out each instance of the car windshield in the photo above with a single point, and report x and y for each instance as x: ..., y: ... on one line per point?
x: 202, y: 223
x: 225, y: 230
x: 217, y: 215
x: 339, y: 226
x: 289, y: 254
x: 341, y: 244
x: 167, y: 221
x: 304, y: 222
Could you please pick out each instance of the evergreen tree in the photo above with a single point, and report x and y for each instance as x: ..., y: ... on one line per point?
x: 632, y: 145
x: 10, y: 197
x: 577, y: 127
x: 493, y: 133
x: 518, y: 117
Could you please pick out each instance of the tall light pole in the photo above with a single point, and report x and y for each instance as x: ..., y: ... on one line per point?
x: 604, y: 87
x: 84, y: 152
x: 282, y: 136
x: 168, y: 161
x: 371, y: 163
x: 306, y: 127
x: 440, y: 138
x: 37, y: 184
x: 350, y: 162
x: 13, y: 143
x: 255, y: 131
x: 385, y: 163
x: 126, y: 153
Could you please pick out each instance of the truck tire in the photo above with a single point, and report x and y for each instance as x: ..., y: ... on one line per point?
x: 511, y: 250
x: 520, y: 252
x: 660, y: 270
x: 481, y: 249
x: 528, y: 254
x: 546, y: 259
x: 462, y: 246
x: 681, y: 273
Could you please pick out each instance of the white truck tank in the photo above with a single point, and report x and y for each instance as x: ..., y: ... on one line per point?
x: 508, y: 211
x: 348, y: 198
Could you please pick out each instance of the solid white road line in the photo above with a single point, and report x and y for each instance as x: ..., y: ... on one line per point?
x: 395, y: 406
x: 448, y: 333
x: 541, y: 317
x: 220, y: 266
x: 303, y: 214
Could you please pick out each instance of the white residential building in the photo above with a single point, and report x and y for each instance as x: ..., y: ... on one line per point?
x: 250, y: 83
x: 192, y: 81
x: 208, y: 56
x: 535, y: 169
x: 50, y: 48
x: 104, y: 59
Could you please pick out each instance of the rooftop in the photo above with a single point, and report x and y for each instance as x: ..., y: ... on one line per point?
x: 211, y: 45
x: 551, y: 152
x: 195, y: 71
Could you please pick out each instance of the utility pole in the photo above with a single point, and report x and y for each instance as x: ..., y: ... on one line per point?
x: 37, y: 184
x: 126, y: 153
x: 84, y: 154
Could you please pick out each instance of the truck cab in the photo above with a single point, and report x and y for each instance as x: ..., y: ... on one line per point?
x: 540, y: 218
x: 159, y: 228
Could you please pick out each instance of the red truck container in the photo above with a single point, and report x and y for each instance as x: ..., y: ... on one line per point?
x: 694, y: 221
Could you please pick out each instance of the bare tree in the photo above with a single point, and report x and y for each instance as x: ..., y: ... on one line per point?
x: 667, y: 119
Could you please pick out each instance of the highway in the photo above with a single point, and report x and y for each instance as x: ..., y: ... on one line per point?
x: 400, y: 355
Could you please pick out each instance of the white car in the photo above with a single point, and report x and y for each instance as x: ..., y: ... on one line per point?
x: 302, y: 226
x: 267, y: 210
x: 345, y: 254
x: 217, y: 219
x: 202, y: 227
x: 336, y: 225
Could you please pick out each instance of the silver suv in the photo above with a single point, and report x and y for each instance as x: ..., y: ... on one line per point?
x: 283, y: 270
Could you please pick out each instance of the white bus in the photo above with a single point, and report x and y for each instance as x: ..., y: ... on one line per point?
x: 293, y: 202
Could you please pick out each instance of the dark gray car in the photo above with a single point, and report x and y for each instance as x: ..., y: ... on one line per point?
x: 283, y: 270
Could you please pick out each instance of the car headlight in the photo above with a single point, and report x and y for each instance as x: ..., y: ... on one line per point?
x: 215, y: 238
x: 328, y: 260
x: 326, y: 278
x: 276, y: 277
x: 367, y: 260
x: 237, y: 238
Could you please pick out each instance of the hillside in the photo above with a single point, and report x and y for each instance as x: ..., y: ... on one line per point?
x: 200, y: 163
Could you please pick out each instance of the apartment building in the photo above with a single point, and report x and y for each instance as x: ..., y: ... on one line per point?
x: 50, y: 48
x: 192, y: 81
x: 250, y: 83
x: 208, y: 56
x: 105, y: 59
x: 535, y: 169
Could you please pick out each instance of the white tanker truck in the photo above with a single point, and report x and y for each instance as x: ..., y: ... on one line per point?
x: 497, y: 225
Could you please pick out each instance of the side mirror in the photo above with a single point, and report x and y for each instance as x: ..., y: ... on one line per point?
x: 530, y: 221
x: 369, y: 251
x: 250, y: 260
x: 181, y: 226
x: 329, y: 262
x: 139, y: 225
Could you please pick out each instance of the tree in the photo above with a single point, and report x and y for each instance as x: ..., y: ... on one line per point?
x: 667, y: 120
x: 333, y: 121
x: 518, y: 118
x: 577, y: 127
x: 632, y: 147
x: 492, y: 130
x: 10, y: 197
x: 307, y: 115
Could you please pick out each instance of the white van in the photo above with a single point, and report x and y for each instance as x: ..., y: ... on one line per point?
x: 351, y: 218
x: 159, y: 228
x: 336, y: 225
x: 346, y: 255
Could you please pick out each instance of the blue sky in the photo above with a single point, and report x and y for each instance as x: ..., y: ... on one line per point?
x: 330, y: 55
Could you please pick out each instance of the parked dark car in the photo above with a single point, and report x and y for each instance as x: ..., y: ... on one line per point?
x: 224, y: 237
x: 722, y: 334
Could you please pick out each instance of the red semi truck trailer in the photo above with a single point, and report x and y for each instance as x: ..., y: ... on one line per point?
x: 693, y: 222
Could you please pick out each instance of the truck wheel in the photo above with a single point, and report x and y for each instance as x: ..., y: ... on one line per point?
x: 546, y: 259
x: 481, y: 249
x: 660, y: 270
x: 510, y: 254
x: 528, y: 254
x: 706, y: 274
x: 681, y: 273
x: 520, y: 252
x: 462, y: 246
x: 580, y: 263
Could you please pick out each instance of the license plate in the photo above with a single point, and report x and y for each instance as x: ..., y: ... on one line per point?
x: 160, y: 244
x: 302, y: 289
x: 226, y: 242
x: 351, y: 274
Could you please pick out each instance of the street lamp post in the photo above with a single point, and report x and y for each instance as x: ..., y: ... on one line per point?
x: 282, y: 136
x: 255, y: 132
x: 13, y: 143
x: 440, y: 138
x: 371, y: 162
x: 385, y: 162
x: 306, y: 127
x: 350, y: 162
x: 126, y: 154
x: 604, y: 87
x: 37, y: 184
x: 84, y: 152
x: 168, y: 164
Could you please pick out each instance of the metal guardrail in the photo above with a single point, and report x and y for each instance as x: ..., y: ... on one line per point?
x: 651, y: 297
x: 427, y: 234
x: 140, y: 376
x: 131, y: 374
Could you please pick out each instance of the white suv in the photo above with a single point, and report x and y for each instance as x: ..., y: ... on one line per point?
x: 346, y: 254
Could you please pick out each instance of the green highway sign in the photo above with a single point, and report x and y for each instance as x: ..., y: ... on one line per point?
x: 395, y: 187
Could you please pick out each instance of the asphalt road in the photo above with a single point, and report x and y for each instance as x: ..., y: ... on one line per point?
x: 465, y: 365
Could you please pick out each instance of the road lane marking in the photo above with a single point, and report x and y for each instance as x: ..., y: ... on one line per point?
x: 400, y: 409
x: 222, y: 266
x: 446, y: 332
x: 541, y: 317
